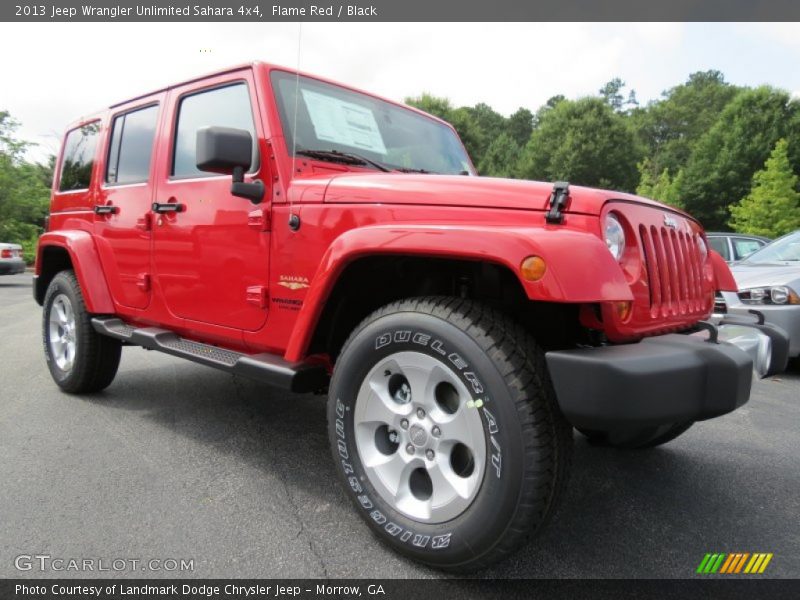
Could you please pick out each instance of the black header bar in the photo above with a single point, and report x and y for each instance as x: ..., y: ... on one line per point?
x: 399, y: 10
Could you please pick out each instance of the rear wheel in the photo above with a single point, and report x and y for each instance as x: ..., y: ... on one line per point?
x: 646, y: 437
x: 446, y: 433
x: 80, y: 359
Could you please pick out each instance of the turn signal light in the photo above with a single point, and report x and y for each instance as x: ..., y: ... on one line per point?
x: 533, y: 268
x: 623, y: 309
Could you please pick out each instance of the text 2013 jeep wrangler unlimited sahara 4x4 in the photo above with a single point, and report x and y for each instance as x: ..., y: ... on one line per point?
x: 282, y: 227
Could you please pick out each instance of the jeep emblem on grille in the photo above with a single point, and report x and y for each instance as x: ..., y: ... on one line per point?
x: 670, y: 222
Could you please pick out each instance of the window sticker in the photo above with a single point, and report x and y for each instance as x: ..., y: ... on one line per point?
x: 343, y: 123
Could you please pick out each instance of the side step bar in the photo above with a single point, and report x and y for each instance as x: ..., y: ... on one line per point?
x: 268, y: 368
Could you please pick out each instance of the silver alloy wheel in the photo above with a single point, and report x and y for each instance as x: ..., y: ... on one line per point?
x: 62, y: 332
x: 420, y: 437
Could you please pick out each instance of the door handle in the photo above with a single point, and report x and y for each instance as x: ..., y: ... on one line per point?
x: 167, y: 207
x: 105, y: 209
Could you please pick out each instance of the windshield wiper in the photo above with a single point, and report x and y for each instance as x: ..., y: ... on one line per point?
x: 409, y: 170
x: 348, y: 158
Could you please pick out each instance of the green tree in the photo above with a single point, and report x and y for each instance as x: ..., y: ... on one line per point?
x: 772, y: 208
x: 611, y: 92
x: 582, y: 141
x: 670, y: 127
x: 723, y: 161
x: 520, y: 126
x: 490, y: 122
x: 662, y: 188
x: 433, y: 105
x: 24, y: 195
x: 500, y: 159
x: 470, y: 133
x: 551, y: 103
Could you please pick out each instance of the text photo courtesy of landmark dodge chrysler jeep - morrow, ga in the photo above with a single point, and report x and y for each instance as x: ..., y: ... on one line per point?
x: 286, y: 228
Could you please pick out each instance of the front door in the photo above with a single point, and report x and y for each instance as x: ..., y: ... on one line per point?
x: 210, y: 258
x: 122, y: 227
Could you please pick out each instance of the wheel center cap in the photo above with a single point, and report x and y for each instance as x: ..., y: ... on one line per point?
x: 418, y: 435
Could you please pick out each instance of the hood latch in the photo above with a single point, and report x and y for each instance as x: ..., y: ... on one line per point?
x: 559, y: 198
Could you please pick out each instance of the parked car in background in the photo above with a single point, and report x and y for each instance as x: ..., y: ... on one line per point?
x: 11, y: 261
x: 769, y: 281
x: 735, y: 246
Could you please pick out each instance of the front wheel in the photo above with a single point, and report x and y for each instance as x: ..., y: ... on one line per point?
x: 446, y: 433
x: 80, y: 359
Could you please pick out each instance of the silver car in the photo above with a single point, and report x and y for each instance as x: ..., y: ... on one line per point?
x: 769, y: 281
x: 735, y: 246
x: 11, y: 261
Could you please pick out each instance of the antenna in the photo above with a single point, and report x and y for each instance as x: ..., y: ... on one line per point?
x: 294, y: 220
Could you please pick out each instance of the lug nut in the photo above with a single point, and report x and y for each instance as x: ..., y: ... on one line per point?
x: 420, y: 413
x: 429, y: 454
x: 436, y: 431
x: 404, y: 423
x: 410, y: 449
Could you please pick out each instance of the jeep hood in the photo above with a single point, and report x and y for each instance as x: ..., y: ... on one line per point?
x: 454, y: 190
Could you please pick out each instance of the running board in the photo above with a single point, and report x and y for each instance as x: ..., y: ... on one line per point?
x: 268, y: 368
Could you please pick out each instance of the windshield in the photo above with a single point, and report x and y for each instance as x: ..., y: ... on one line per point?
x: 785, y: 249
x: 333, y: 118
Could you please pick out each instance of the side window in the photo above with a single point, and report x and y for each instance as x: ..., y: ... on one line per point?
x: 744, y: 247
x: 227, y: 106
x: 132, y: 146
x: 720, y: 244
x: 78, y: 158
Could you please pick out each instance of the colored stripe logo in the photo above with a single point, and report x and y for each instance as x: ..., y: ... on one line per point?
x: 734, y: 563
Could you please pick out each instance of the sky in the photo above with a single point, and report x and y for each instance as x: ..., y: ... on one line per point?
x: 52, y: 73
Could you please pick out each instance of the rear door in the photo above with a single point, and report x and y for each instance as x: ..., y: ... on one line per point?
x: 211, y: 259
x: 122, y: 219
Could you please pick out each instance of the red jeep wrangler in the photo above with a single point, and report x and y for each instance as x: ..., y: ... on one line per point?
x: 286, y: 228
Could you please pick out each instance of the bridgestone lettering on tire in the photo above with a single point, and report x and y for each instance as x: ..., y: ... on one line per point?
x: 446, y: 433
x: 80, y: 360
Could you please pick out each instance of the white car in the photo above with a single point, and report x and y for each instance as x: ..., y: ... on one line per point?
x: 769, y: 282
x: 11, y: 261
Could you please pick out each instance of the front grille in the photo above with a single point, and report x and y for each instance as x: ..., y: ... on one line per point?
x: 674, y: 271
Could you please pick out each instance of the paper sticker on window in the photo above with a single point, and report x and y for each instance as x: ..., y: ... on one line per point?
x: 343, y: 123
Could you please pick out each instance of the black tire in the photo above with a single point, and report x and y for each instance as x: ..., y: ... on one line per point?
x: 637, y: 439
x: 96, y: 357
x: 528, y: 441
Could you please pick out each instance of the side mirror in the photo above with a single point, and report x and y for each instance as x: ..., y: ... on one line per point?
x: 230, y: 152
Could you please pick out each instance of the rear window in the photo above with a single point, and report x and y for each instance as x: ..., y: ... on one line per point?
x: 744, y: 247
x: 132, y: 146
x: 221, y: 107
x: 78, y: 158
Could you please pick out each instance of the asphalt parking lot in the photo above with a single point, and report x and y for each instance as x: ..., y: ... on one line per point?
x: 179, y: 461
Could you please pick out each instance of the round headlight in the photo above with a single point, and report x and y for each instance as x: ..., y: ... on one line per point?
x: 702, y: 248
x: 779, y: 294
x: 615, y: 236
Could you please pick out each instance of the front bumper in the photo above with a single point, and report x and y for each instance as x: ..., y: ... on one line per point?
x: 666, y: 379
x: 12, y: 266
x: 786, y: 317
